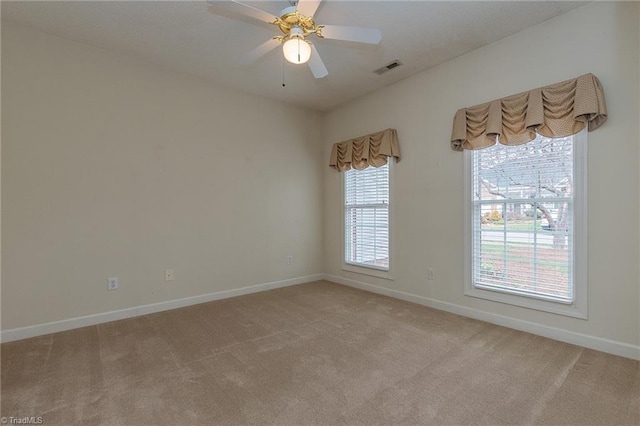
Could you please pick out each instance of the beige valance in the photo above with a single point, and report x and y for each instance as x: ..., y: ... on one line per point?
x: 558, y: 110
x: 370, y: 150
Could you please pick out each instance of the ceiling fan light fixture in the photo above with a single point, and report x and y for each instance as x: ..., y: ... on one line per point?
x: 296, y: 49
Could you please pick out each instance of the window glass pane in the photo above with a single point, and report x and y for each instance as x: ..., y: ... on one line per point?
x: 523, y: 218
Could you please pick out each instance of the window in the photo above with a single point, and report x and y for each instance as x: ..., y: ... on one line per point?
x: 366, y: 217
x: 527, y: 230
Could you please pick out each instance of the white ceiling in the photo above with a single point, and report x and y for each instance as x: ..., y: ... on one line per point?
x: 185, y: 36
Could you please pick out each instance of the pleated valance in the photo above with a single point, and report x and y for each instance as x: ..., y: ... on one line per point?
x: 561, y: 109
x: 369, y: 150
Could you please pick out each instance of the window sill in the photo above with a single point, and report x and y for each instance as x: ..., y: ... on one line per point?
x: 363, y: 270
x: 570, y: 310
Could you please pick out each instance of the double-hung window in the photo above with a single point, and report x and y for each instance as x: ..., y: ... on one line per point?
x: 366, y: 217
x: 526, y: 233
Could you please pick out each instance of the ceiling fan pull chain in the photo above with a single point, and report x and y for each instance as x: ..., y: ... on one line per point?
x: 283, y: 85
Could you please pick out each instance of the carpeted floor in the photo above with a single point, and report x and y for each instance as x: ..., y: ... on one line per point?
x: 313, y: 354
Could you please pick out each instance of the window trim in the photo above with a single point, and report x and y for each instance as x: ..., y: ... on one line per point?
x: 576, y: 309
x: 362, y: 269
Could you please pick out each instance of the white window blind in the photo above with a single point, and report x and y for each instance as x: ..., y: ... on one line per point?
x: 366, y: 217
x: 523, y: 200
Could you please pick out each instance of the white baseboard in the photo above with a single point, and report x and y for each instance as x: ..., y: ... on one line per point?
x: 71, y: 323
x: 592, y: 342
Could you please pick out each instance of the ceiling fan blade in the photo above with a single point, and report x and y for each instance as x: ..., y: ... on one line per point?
x: 357, y: 34
x: 240, y: 8
x: 260, y: 51
x: 316, y: 65
x: 308, y: 7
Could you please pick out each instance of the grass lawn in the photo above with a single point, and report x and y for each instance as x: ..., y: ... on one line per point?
x: 549, y: 274
x: 513, y: 225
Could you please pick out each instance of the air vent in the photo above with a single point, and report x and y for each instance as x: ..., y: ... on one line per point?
x: 388, y: 67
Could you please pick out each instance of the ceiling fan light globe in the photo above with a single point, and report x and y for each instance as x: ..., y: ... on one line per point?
x: 296, y: 50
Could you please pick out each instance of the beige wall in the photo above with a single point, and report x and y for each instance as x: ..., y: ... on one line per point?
x: 638, y: 121
x: 113, y: 167
x: 601, y: 38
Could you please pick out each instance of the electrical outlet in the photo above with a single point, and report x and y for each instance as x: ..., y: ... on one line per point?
x: 431, y: 274
x: 112, y: 283
x: 169, y: 275
x: 290, y: 259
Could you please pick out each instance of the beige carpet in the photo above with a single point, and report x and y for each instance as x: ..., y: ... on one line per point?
x: 309, y: 355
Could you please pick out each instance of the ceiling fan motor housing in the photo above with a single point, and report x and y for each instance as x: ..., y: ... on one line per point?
x: 290, y: 19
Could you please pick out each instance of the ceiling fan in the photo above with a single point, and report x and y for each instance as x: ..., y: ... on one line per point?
x: 296, y: 24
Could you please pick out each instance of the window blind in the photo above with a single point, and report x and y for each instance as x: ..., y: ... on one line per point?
x: 523, y: 215
x: 366, y: 215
